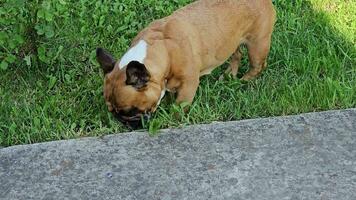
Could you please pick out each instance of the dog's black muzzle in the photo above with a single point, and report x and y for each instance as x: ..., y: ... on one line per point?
x: 132, y: 122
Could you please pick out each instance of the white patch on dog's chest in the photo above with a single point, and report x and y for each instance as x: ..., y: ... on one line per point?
x: 136, y: 53
x: 163, y: 92
x: 162, y: 95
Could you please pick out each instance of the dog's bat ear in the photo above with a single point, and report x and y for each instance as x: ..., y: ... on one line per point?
x: 105, y: 59
x: 137, y: 75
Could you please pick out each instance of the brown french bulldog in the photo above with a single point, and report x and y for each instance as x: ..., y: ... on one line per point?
x: 172, y: 53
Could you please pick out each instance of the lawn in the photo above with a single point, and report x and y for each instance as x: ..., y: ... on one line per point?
x: 51, y: 85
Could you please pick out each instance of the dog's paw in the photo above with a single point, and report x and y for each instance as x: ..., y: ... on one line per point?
x: 247, y: 78
x: 227, y: 76
x: 222, y: 77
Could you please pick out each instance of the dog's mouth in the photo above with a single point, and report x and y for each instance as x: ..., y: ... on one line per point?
x: 133, y: 122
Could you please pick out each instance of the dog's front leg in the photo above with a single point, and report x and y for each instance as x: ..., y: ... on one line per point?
x: 187, y: 90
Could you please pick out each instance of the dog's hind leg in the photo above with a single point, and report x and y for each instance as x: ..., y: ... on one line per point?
x: 258, y: 45
x: 234, y: 64
x: 258, y: 51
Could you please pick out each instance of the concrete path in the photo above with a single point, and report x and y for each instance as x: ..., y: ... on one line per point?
x: 311, y: 156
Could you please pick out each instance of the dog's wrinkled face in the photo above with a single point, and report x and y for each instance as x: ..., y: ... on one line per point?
x: 129, y: 93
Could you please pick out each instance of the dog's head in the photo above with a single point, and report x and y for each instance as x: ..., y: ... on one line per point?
x: 131, y: 93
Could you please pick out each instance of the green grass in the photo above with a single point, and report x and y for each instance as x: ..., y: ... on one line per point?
x: 53, y: 90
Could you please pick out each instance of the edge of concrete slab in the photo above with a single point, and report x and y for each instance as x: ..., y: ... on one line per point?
x: 168, y: 130
x: 308, y: 156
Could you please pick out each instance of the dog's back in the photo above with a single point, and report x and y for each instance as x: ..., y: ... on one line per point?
x: 218, y: 27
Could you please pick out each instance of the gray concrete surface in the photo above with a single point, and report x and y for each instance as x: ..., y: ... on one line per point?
x: 311, y: 156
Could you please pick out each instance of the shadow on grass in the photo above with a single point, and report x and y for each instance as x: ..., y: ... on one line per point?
x: 311, y: 68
